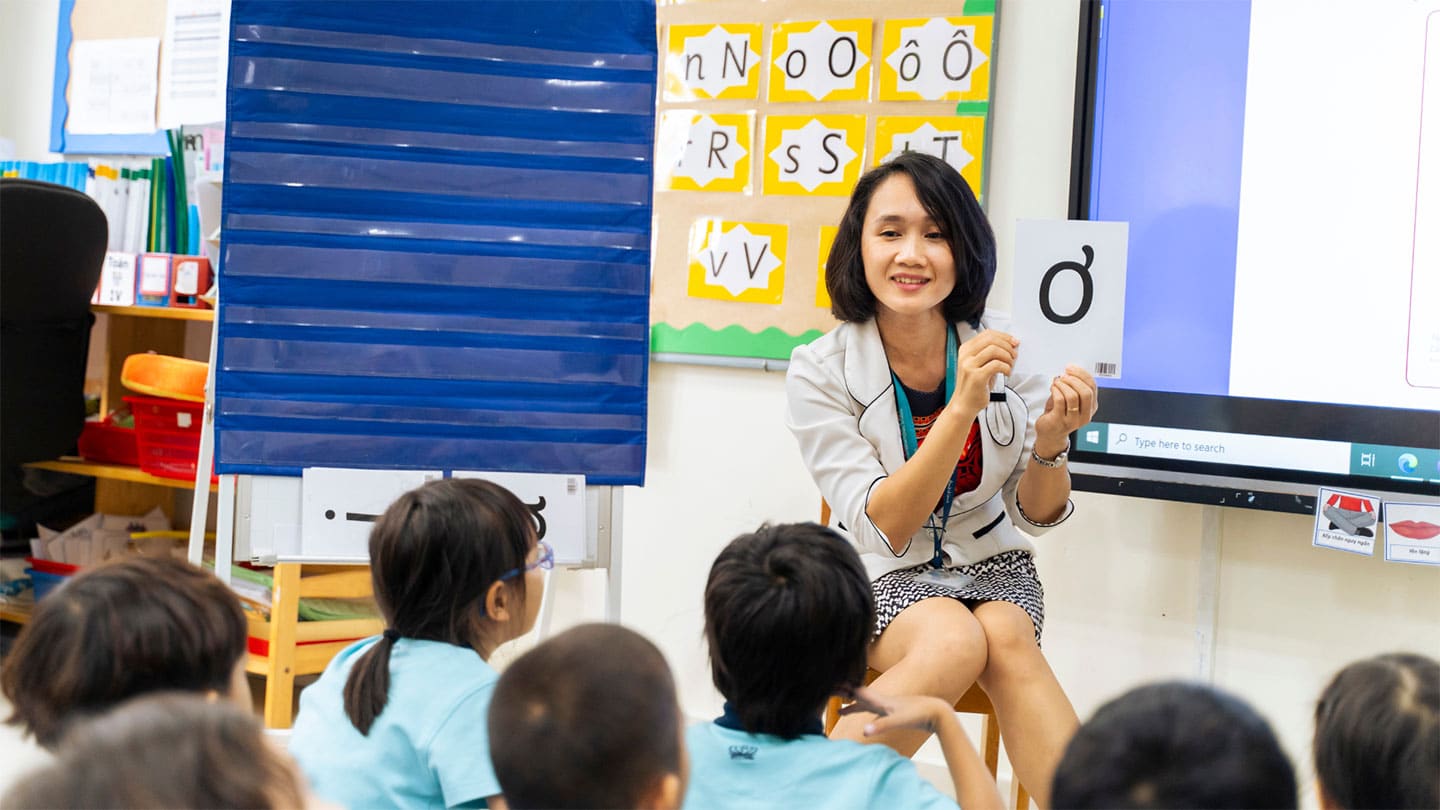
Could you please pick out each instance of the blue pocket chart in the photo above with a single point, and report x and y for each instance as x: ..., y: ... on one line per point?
x: 436, y: 237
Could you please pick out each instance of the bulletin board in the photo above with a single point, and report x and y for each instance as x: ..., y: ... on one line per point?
x: 90, y: 20
x: 768, y: 114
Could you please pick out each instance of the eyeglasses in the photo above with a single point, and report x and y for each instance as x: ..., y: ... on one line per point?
x: 545, y: 560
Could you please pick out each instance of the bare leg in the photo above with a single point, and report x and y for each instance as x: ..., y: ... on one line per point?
x: 934, y: 647
x: 1036, y: 719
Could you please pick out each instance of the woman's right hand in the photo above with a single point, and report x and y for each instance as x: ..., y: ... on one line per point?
x: 977, y: 361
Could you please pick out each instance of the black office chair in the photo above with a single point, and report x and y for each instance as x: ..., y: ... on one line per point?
x: 52, y: 248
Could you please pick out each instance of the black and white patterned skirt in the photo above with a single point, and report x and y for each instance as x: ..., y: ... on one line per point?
x: 1006, y: 577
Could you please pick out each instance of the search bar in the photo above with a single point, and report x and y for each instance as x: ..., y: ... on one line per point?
x: 1244, y: 449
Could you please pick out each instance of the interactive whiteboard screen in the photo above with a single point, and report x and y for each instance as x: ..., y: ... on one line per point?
x: 1279, y: 165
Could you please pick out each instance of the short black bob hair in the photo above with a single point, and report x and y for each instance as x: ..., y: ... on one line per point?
x: 1174, y: 745
x: 950, y: 202
x: 788, y: 615
x: 1377, y: 733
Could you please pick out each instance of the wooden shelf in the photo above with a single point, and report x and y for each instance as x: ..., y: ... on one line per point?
x: 168, y: 313
x: 115, y: 472
x: 19, y: 614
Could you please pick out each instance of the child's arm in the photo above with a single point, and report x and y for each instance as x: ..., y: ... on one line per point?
x: 974, y: 787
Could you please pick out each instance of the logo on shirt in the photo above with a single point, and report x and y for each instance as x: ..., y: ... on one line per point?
x: 745, y: 752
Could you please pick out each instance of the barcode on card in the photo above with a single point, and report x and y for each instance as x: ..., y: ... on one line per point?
x: 1107, y: 369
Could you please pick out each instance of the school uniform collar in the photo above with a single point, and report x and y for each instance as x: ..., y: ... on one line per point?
x: 731, y: 720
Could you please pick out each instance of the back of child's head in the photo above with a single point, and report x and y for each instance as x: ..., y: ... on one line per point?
x: 435, y: 554
x: 140, y: 624
x: 1377, y: 734
x: 588, y: 719
x: 164, y: 750
x: 788, y: 615
x: 1174, y: 745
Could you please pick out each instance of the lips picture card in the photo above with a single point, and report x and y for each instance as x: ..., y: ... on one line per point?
x: 1346, y: 521
x: 1069, y: 296
x: 1412, y: 533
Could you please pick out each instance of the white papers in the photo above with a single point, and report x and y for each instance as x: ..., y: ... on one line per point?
x: 558, y: 502
x: 194, y: 62
x: 338, y: 508
x: 1346, y: 521
x: 112, y: 86
x: 1069, y: 295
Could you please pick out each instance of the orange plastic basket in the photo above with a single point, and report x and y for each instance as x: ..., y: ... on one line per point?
x: 160, y: 375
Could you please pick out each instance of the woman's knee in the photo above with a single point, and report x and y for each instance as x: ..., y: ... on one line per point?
x: 1009, y: 632
x: 942, y: 643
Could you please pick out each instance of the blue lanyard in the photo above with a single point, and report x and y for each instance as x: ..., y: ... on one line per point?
x: 912, y: 443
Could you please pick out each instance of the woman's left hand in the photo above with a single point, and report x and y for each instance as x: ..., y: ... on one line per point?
x: 1073, y: 401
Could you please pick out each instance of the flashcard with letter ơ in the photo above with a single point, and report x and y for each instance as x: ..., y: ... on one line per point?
x: 1346, y: 521
x: 713, y: 61
x: 820, y: 61
x: 1069, y: 296
x: 813, y: 154
x: 936, y: 59
x: 737, y: 261
x: 704, y: 152
x: 957, y: 140
x: 1412, y: 532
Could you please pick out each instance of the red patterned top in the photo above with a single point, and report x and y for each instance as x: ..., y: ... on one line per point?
x: 971, y: 464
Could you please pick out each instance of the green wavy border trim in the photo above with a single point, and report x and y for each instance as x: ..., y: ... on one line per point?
x: 972, y: 108
x: 732, y: 341
x: 977, y: 7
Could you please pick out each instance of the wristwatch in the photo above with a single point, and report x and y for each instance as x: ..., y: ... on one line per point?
x: 1052, y: 463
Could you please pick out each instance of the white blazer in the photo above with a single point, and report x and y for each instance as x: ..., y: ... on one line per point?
x: 841, y: 409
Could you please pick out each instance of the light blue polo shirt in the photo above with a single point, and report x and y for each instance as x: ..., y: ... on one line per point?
x: 732, y: 769
x: 428, y: 748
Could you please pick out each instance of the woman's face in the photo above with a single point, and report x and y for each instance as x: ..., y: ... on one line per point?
x: 908, y: 264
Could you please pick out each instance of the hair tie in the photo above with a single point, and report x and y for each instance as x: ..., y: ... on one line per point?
x: 391, y: 634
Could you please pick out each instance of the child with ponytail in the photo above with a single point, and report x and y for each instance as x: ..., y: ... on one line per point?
x: 399, y: 719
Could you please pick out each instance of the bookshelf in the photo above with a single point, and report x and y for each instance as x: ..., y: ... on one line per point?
x: 120, y: 332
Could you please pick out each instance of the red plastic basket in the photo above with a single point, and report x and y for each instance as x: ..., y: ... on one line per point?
x: 167, y: 432
x: 104, y: 441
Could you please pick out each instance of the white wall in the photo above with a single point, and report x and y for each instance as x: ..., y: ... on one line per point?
x: 1122, y: 575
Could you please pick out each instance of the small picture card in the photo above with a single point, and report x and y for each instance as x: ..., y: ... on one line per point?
x: 1346, y: 521
x: 1412, y: 532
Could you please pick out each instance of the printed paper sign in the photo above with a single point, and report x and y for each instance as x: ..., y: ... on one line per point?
x: 959, y: 141
x: 1346, y: 521
x: 1412, y: 532
x: 808, y: 154
x: 117, y: 280
x: 737, y: 261
x: 558, y: 503
x: 340, y: 506
x: 713, y: 61
x: 705, y: 152
x: 1069, y: 305
x: 827, y: 238
x: 939, y: 59
x: 820, y: 61
x: 112, y: 86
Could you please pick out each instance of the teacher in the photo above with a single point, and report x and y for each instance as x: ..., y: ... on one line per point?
x: 934, y: 457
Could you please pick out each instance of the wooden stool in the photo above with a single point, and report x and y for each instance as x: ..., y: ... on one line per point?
x: 975, y: 701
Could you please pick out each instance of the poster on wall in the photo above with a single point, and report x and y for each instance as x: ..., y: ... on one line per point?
x: 769, y: 115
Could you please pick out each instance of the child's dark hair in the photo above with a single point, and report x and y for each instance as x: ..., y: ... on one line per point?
x: 136, y: 625
x: 788, y: 614
x: 1174, y: 745
x: 160, y: 751
x: 433, y: 556
x: 1377, y: 734
x: 599, y: 702
x: 948, y: 200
